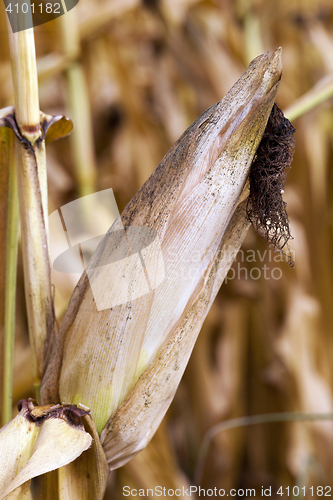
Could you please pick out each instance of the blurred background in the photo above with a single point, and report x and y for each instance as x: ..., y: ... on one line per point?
x: 132, y: 75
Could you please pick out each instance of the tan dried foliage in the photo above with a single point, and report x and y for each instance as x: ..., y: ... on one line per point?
x: 150, y: 69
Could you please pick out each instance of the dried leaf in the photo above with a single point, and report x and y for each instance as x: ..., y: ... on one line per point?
x: 86, y: 477
x: 155, y: 389
x: 34, y: 445
x: 55, y: 127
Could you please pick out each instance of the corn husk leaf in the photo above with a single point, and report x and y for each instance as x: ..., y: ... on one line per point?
x: 155, y: 389
x: 86, y: 477
x: 34, y: 447
x: 156, y: 466
x: 189, y: 201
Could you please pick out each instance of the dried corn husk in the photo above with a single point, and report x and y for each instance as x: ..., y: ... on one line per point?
x: 190, y: 201
x: 36, y: 441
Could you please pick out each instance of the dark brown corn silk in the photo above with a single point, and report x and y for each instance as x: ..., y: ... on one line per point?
x: 265, y: 207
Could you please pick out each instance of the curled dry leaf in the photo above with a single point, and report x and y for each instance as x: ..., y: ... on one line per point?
x: 38, y: 440
x: 85, y: 478
x: 125, y: 362
x: 53, y: 127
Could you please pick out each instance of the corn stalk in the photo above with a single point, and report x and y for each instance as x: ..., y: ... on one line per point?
x: 31, y: 161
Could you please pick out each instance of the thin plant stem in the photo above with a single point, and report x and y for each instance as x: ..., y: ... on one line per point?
x: 252, y: 33
x: 320, y: 93
x: 32, y: 182
x: 25, y: 82
x: 82, y: 136
x: 250, y: 420
x: 10, y: 286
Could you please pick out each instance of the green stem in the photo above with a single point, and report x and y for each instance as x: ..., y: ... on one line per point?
x: 82, y: 137
x: 251, y: 420
x: 317, y: 95
x: 10, y: 287
x: 252, y: 34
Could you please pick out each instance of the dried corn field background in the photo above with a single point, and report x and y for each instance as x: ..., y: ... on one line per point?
x: 132, y: 75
